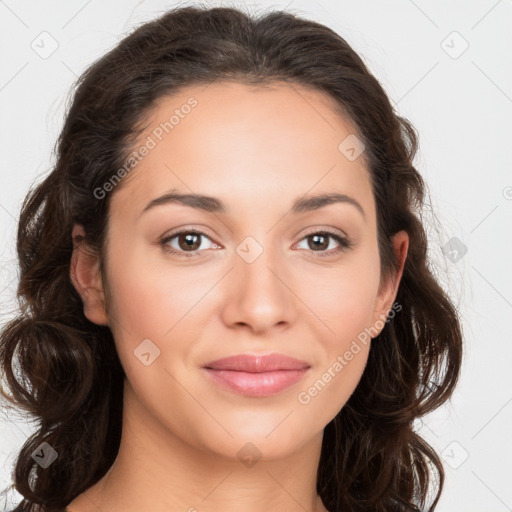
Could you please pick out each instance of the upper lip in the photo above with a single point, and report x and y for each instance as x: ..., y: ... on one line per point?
x: 257, y: 363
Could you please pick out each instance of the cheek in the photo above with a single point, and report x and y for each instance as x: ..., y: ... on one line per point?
x: 342, y: 298
x: 152, y: 301
x: 150, y: 297
x: 344, y: 348
x: 161, y: 302
x: 344, y: 302
x: 329, y: 389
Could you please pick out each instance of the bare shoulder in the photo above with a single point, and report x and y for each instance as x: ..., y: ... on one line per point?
x: 82, y: 503
x: 90, y: 500
x: 80, y: 507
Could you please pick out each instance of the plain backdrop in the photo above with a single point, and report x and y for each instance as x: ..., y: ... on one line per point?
x: 447, y: 68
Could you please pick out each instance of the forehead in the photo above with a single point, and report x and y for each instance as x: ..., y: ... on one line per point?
x: 232, y: 140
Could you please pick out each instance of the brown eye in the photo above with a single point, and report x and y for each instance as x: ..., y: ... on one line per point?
x: 318, y: 241
x: 190, y: 242
x: 326, y: 243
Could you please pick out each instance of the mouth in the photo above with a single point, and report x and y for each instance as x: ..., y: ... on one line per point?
x: 256, y: 376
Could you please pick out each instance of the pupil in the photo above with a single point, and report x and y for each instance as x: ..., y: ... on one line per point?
x: 316, y: 239
x: 190, y: 243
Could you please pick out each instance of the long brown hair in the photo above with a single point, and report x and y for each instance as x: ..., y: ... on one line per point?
x: 69, y: 376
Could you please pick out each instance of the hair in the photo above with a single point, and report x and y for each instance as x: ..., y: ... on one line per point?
x: 69, y: 376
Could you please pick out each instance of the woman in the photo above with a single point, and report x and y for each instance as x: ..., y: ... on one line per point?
x: 226, y: 302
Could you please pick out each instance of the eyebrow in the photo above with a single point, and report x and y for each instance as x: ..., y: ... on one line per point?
x: 214, y: 205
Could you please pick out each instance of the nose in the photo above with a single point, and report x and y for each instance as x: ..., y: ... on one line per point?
x: 257, y: 296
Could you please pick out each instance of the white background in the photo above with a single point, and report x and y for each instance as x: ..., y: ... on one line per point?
x: 462, y: 108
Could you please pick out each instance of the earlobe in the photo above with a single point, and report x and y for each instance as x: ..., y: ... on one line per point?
x: 86, y: 277
x: 387, y: 295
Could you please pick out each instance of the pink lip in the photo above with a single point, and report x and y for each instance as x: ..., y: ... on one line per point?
x: 256, y: 375
x: 257, y: 363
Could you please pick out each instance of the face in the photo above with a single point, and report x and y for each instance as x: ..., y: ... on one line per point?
x: 249, y: 271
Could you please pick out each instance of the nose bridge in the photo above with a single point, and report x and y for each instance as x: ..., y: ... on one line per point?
x: 259, y: 298
x: 255, y: 264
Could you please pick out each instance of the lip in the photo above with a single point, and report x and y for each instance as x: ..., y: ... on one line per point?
x: 257, y: 363
x: 256, y: 375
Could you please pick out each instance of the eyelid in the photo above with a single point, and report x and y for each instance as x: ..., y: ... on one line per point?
x: 190, y: 228
x: 328, y: 229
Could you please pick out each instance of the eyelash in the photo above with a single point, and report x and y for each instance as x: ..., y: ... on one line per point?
x: 344, y: 243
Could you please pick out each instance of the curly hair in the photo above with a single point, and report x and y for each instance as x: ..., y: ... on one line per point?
x: 69, y: 376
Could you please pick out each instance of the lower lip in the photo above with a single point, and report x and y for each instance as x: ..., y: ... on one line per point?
x: 256, y: 384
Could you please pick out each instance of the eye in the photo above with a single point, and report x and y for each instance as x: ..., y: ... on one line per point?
x: 320, y: 241
x: 186, y: 241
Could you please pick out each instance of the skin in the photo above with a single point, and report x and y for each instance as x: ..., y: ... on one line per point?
x: 257, y: 149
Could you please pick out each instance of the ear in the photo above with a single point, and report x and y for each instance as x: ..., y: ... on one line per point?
x: 388, y: 290
x: 86, y: 277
